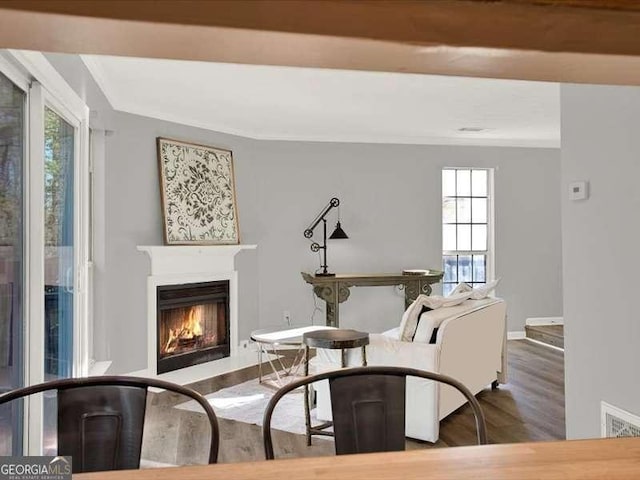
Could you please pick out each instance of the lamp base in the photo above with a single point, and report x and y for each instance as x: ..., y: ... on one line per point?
x: 325, y: 274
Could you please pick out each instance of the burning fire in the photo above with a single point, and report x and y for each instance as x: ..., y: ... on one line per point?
x: 188, y: 332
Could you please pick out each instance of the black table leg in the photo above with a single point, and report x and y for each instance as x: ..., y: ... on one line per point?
x: 307, y: 412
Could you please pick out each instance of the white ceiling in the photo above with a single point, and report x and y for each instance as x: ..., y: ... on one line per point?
x: 288, y: 103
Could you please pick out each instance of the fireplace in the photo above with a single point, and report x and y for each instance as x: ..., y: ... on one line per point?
x: 193, y: 324
x: 186, y: 266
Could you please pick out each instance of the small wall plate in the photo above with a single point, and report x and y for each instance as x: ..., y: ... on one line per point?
x: 579, y: 190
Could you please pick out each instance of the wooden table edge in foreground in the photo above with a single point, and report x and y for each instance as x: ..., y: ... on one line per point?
x: 578, y: 459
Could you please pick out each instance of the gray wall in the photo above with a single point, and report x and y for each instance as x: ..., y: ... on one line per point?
x: 391, y: 204
x: 134, y: 217
x: 600, y: 143
x: 391, y: 209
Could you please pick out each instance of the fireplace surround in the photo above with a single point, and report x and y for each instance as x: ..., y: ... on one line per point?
x: 191, y: 265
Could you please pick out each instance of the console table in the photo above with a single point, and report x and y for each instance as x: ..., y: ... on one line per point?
x: 335, y: 289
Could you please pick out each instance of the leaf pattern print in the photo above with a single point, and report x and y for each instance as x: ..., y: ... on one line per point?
x: 198, y: 194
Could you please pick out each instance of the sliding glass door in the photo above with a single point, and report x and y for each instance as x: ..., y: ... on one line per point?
x: 43, y: 244
x: 59, y: 271
x: 12, y: 258
x: 59, y: 261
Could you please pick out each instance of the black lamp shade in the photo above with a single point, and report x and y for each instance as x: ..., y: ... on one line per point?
x: 338, y: 233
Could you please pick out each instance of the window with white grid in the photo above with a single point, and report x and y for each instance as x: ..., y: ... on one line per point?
x: 466, y: 227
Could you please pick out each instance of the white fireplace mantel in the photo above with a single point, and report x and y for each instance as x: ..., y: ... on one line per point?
x: 179, y: 259
x: 181, y: 264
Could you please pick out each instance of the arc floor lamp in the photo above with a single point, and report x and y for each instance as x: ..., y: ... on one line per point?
x: 338, y: 233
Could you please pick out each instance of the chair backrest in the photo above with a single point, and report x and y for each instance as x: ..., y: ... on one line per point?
x: 101, y: 419
x: 368, y: 406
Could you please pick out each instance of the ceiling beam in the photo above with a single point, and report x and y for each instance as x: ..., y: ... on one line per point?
x: 606, y: 26
x: 535, y: 39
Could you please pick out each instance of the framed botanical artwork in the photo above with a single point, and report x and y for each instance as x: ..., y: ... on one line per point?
x: 197, y: 186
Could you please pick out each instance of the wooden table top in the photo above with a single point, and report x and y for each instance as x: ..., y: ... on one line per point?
x: 372, y: 278
x: 578, y: 459
x: 336, y: 338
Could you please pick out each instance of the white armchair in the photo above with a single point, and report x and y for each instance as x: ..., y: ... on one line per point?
x: 470, y: 347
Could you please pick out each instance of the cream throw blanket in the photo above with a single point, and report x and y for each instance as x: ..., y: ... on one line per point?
x: 461, y: 293
x: 410, y: 317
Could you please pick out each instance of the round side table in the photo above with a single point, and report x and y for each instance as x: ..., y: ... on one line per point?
x: 270, y: 341
x: 333, y: 339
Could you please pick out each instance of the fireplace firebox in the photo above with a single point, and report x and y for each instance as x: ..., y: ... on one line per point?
x: 193, y: 324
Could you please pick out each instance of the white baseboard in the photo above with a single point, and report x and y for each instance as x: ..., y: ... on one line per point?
x: 519, y: 335
x: 545, y: 321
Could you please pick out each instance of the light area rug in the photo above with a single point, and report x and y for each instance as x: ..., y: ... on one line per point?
x: 246, y: 402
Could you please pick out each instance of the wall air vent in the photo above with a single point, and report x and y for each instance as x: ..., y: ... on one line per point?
x: 615, y: 422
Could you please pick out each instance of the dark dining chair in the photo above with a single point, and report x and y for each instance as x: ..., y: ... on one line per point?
x: 368, y: 406
x: 101, y: 419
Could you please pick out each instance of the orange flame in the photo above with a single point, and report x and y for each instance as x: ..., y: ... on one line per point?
x: 190, y: 328
x: 193, y: 326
